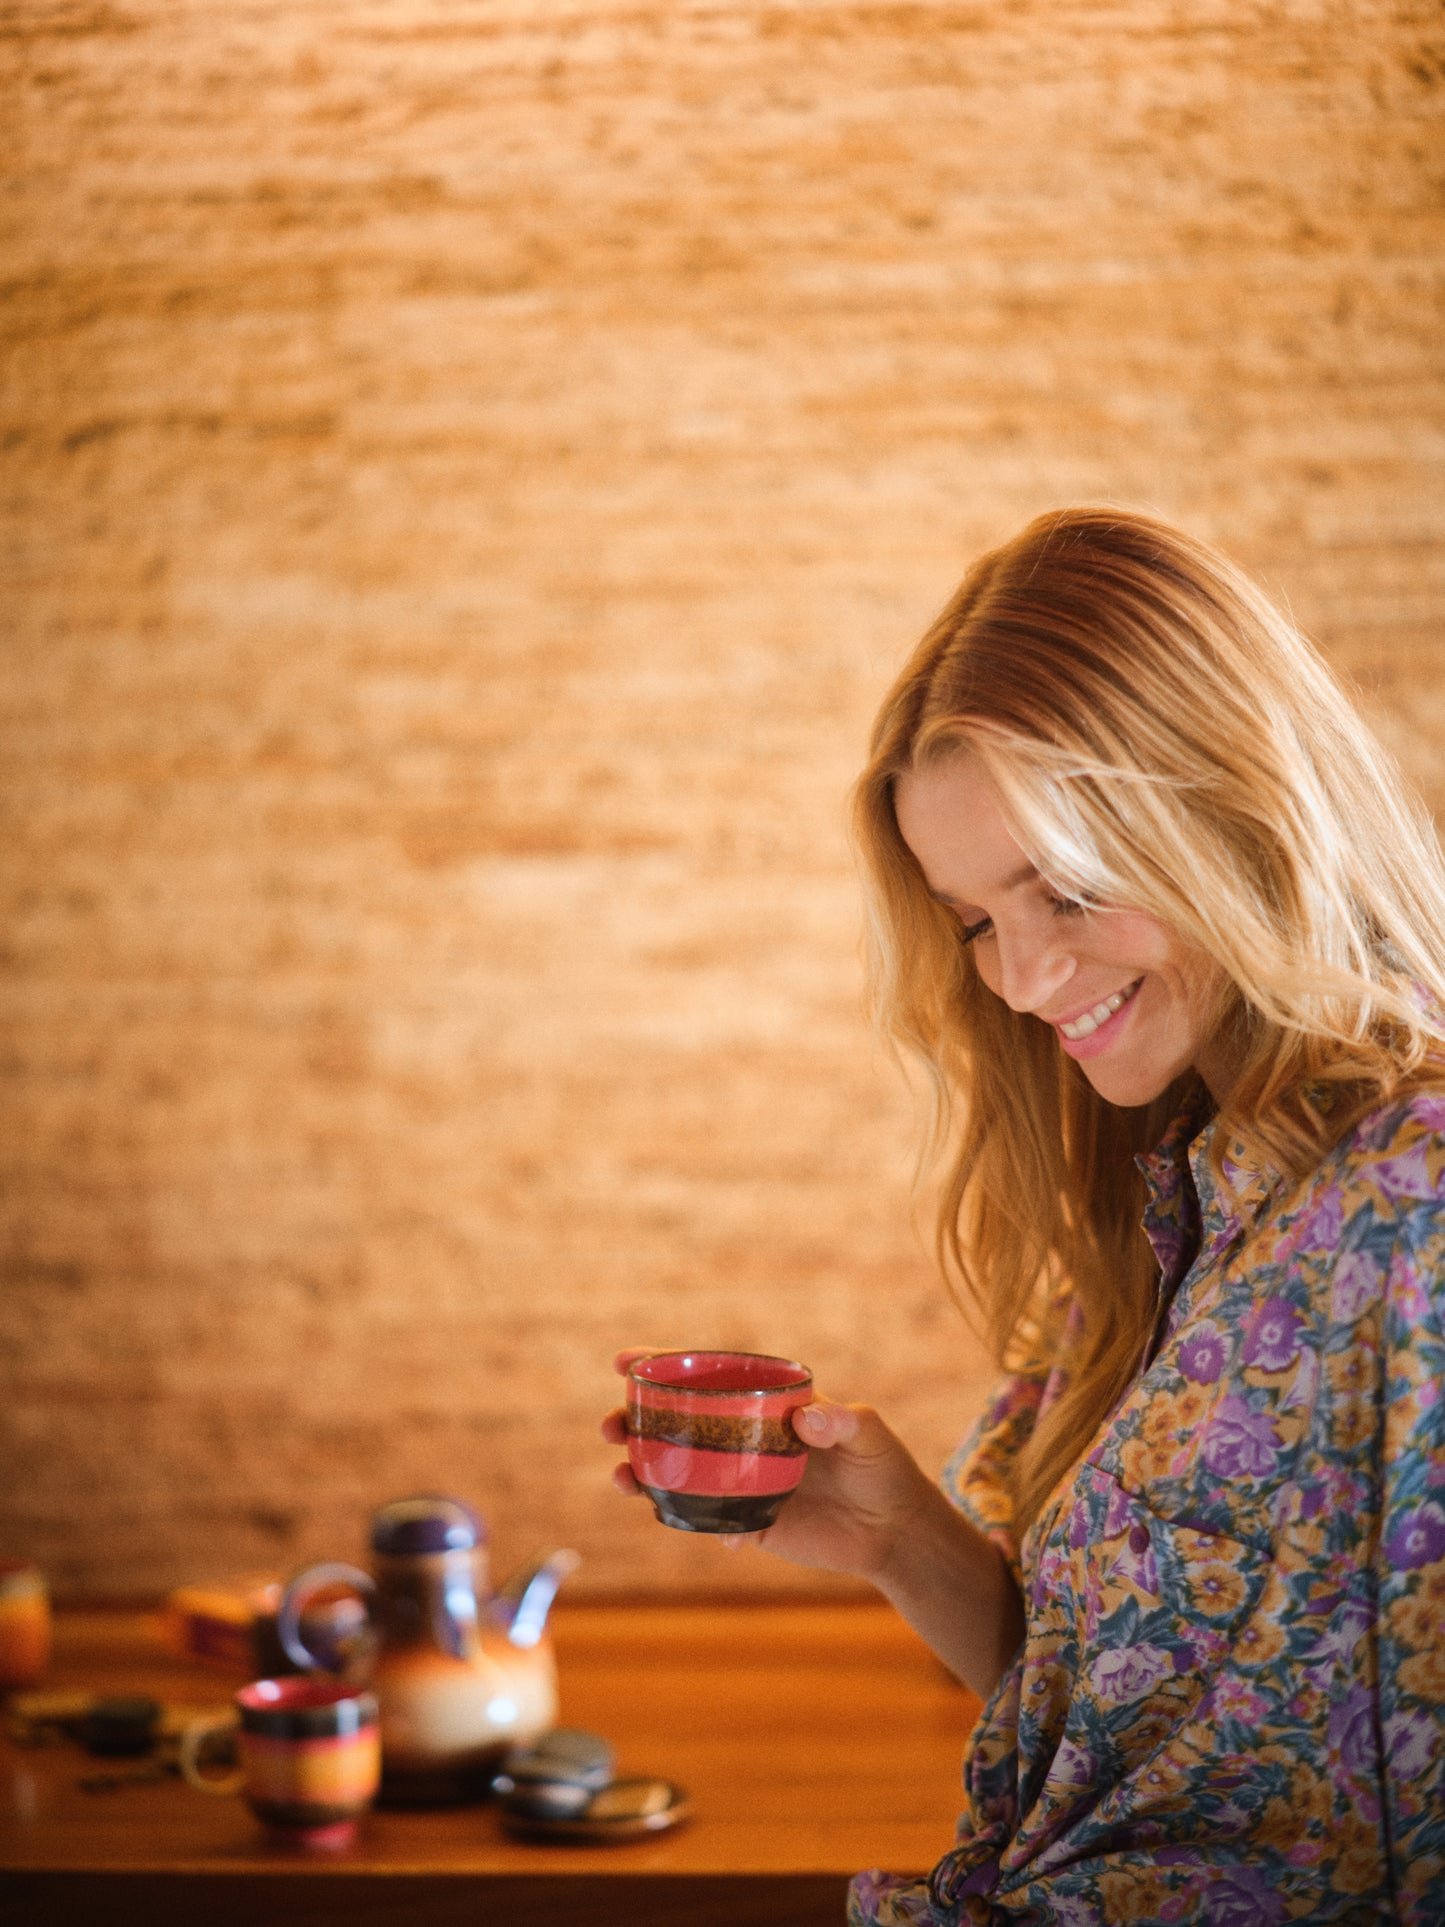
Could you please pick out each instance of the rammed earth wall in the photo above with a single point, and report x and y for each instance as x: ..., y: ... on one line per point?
x: 468, y: 472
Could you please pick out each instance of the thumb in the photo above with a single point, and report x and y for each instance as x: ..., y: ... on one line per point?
x: 825, y: 1424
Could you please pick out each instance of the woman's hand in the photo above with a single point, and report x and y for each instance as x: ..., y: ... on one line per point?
x: 857, y: 1494
x: 860, y: 1496
x: 866, y: 1507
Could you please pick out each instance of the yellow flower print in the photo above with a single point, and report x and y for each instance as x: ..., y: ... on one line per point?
x: 1132, y: 1895
x: 1165, y: 1784
x: 1189, y: 1407
x: 1216, y: 1587
x: 1424, y: 1674
x: 1416, y: 1622
x: 1350, y: 1372
x: 1311, y: 1798
x: 1279, y: 1826
x: 1140, y: 1462
x: 1358, y: 1861
x: 1260, y: 1641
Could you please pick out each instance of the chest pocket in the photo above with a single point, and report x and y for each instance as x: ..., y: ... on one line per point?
x: 1131, y: 1615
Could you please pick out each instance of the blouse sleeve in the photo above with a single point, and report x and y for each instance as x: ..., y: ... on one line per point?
x: 1411, y: 1568
x: 978, y: 1478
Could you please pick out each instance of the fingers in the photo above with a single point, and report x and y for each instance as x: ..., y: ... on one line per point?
x: 825, y: 1424
x: 624, y: 1359
x: 614, y: 1429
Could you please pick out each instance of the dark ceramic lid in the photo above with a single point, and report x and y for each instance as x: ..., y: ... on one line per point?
x: 427, y: 1524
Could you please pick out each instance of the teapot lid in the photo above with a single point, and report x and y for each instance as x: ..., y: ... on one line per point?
x: 426, y: 1524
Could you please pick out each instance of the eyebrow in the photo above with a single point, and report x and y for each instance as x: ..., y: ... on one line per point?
x: 1025, y: 875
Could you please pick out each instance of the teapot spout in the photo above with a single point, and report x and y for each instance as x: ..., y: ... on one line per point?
x: 525, y: 1601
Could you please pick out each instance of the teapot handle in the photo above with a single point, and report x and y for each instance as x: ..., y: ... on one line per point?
x: 293, y: 1603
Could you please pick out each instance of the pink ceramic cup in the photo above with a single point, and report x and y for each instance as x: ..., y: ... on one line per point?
x: 710, y: 1436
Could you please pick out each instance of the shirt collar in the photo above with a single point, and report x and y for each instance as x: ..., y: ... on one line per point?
x: 1172, y: 1207
x: 1186, y: 1204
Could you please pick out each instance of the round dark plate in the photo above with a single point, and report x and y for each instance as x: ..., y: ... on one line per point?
x: 625, y: 1810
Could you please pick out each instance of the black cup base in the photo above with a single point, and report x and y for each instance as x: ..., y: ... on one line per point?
x: 703, y: 1512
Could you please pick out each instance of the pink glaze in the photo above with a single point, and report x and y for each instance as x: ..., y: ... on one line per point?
x: 720, y: 1372
x: 685, y: 1468
x: 294, y: 1695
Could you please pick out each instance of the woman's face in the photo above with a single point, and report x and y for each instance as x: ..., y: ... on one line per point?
x: 1132, y: 1002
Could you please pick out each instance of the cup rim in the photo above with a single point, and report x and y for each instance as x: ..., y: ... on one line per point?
x: 693, y: 1390
x: 300, y: 1693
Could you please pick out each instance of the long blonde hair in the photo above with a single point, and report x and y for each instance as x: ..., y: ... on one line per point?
x: 1163, y: 740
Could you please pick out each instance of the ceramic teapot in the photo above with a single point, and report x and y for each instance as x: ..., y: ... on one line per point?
x: 460, y: 1674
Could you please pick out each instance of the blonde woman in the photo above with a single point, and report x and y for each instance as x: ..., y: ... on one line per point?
x: 1149, y: 905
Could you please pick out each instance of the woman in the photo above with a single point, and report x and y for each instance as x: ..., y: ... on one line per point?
x: 1148, y: 903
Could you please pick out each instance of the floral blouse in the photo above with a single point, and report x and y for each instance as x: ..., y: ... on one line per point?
x: 1229, y: 1706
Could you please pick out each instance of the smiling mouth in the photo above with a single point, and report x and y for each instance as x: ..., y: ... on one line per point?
x: 1081, y: 1027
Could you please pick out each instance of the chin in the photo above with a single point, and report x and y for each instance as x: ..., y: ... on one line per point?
x: 1127, y: 1086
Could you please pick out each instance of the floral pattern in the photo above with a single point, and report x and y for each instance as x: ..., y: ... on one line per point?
x: 1229, y: 1705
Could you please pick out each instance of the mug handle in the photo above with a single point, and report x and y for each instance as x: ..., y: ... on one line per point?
x: 293, y: 1604
x: 193, y: 1737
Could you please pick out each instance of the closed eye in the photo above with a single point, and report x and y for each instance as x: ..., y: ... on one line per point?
x: 1060, y: 906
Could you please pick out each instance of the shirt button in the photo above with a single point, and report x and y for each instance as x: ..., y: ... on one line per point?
x: 1138, y: 1538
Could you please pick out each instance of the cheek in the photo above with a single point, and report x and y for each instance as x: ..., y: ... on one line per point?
x: 1136, y: 942
x: 985, y: 962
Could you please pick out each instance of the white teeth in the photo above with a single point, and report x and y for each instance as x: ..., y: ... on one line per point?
x: 1086, y: 1025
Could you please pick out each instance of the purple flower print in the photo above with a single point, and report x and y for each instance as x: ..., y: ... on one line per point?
x: 1352, y: 1734
x: 1319, y: 1227
x: 1346, y: 1629
x: 1405, y: 1176
x: 1204, y: 1354
x: 1239, y: 1442
x: 1074, y: 1765
x: 1080, y: 1524
x: 1418, y: 1539
x: 1233, y: 1697
x: 1411, y: 1740
x: 1072, y: 1910
x: 1355, y: 1285
x: 1407, y: 1289
x: 1304, y: 1386
x: 1273, y: 1339
x: 1242, y: 1897
x: 1128, y: 1672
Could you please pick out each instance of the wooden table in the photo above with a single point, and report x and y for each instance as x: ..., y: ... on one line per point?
x: 813, y: 1740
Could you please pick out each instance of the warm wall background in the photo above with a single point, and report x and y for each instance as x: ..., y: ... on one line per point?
x: 469, y: 471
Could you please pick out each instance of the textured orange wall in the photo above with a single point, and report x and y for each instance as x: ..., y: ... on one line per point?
x: 468, y: 473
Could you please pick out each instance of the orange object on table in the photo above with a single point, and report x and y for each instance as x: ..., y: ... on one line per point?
x: 24, y: 1624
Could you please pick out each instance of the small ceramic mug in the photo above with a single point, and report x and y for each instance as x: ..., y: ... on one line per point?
x: 710, y: 1436
x: 310, y: 1758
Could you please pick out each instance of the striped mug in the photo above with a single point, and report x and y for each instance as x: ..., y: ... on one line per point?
x: 710, y: 1436
x: 310, y: 1758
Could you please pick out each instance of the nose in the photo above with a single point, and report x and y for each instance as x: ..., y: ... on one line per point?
x: 1030, y: 972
